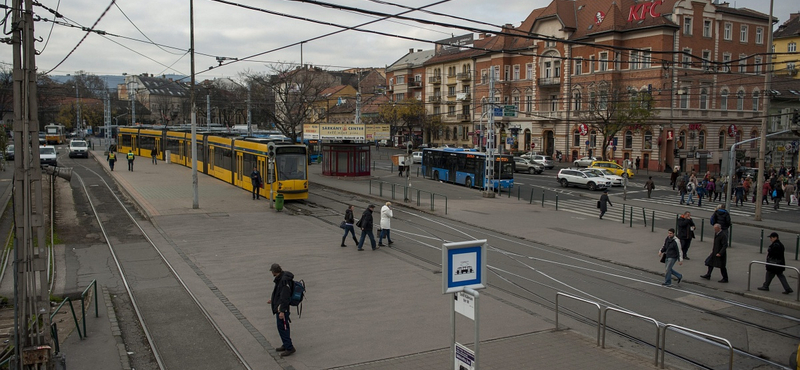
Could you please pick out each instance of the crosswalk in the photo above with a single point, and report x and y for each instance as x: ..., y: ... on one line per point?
x: 746, y: 210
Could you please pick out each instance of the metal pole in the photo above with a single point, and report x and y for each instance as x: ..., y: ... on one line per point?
x: 653, y: 222
x: 556, y: 201
x: 762, y: 148
x: 195, y: 195
x: 631, y: 218
x: 761, y: 243
x: 702, y: 228
x: 475, y: 295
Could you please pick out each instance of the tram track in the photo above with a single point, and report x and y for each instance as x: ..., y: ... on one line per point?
x: 602, y: 272
x: 166, y: 309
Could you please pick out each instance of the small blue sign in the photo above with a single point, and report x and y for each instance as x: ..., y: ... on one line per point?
x: 497, y: 111
x: 464, y: 265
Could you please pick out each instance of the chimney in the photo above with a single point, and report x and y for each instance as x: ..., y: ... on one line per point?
x: 410, y: 50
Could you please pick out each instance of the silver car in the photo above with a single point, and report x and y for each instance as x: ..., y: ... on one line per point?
x: 584, y: 162
x: 544, y: 160
x: 524, y: 165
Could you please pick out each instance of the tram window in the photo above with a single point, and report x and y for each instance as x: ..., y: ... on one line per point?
x: 126, y: 139
x: 147, y: 142
x: 248, y: 163
x: 222, y: 158
x: 201, y: 152
x: 173, y: 146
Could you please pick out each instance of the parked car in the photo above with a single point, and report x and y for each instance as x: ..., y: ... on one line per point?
x: 615, y: 180
x: 613, y: 167
x: 47, y: 155
x: 529, y: 155
x: 584, y: 162
x: 78, y: 148
x: 524, y: 165
x: 544, y: 160
x: 416, y: 157
x: 10, y: 152
x: 588, y: 179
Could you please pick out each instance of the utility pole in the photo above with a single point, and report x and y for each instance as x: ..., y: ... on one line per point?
x: 78, y: 106
x: 195, y: 192
x: 32, y: 340
x: 208, y: 110
x: 488, y: 172
x: 762, y: 148
x: 132, y: 95
x: 107, y: 116
x: 249, y: 113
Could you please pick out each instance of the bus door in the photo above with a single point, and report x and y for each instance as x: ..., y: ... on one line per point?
x: 452, y: 167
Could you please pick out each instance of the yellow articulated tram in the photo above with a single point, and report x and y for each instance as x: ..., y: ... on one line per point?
x: 228, y: 158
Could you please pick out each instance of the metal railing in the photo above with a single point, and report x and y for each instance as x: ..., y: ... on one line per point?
x: 750, y: 270
x: 585, y: 301
x: 408, y: 194
x: 700, y: 333
x: 629, y: 313
x: 81, y: 335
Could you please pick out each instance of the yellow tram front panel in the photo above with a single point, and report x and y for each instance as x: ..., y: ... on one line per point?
x: 291, y: 171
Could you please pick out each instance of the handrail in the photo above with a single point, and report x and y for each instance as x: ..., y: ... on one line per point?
x: 706, y: 335
x: 74, y: 317
x: 750, y: 268
x: 83, y: 297
x: 658, y: 326
x: 582, y: 300
x: 408, y: 194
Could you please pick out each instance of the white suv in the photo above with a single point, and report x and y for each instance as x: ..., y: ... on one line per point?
x: 590, y: 180
x: 78, y: 148
x: 48, y: 155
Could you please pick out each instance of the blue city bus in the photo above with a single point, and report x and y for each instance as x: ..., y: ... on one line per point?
x: 466, y: 167
x: 314, y: 148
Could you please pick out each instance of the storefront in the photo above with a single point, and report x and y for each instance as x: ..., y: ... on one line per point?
x: 349, y: 160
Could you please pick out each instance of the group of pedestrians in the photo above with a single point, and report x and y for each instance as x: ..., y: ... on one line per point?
x: 690, y: 188
x: 112, y: 157
x: 366, y: 224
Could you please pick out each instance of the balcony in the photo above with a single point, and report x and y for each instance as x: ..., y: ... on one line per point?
x: 414, y: 84
x: 435, y: 80
x: 464, y: 97
x: 465, y: 76
x: 451, y: 115
x: 435, y: 99
x: 549, y: 81
x: 462, y: 117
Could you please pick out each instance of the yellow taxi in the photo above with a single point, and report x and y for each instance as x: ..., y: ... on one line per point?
x: 613, y: 167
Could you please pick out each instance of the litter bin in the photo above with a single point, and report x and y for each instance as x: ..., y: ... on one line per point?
x: 167, y: 157
x: 279, y: 202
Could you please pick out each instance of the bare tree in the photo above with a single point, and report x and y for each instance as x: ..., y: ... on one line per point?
x: 294, y: 90
x: 408, y: 115
x: 612, y: 110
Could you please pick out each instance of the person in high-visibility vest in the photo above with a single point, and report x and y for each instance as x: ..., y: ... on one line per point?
x: 112, y: 157
x: 131, y: 157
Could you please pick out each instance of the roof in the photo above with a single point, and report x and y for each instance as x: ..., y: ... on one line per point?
x: 790, y: 28
x: 410, y: 60
x: 163, y: 86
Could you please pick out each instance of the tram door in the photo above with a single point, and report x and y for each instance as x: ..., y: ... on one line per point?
x: 159, y: 148
x: 239, y: 170
x: 134, y: 145
x: 262, y: 169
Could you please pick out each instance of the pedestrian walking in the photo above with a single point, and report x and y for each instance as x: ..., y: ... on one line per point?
x: 673, y: 178
x: 721, y: 216
x: 349, y: 220
x: 682, y: 190
x: 719, y: 190
x: 256, y: 182
x: 718, y: 257
x: 778, y: 195
x: 649, y: 185
x: 365, y: 224
x: 701, y: 192
x: 788, y: 192
x: 400, y: 169
x: 111, y: 158
x: 766, y: 190
x: 131, y: 158
x: 685, y: 233
x: 775, y: 256
x: 603, y: 203
x: 711, y: 187
x: 281, y: 294
x: 154, y: 155
x: 386, y: 224
x: 740, y: 194
x: 690, y: 189
x: 671, y: 253
x: 638, y: 162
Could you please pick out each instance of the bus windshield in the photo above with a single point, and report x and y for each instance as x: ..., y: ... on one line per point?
x: 52, y: 130
x: 291, y: 166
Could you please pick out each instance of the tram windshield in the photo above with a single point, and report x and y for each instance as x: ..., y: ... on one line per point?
x: 291, y: 166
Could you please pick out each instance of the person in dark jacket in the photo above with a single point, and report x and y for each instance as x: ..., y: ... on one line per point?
x: 649, y: 186
x: 775, y: 256
x: 672, y: 253
x: 366, y: 228
x: 685, y: 233
x: 604, y: 203
x: 776, y: 201
x: 256, y: 181
x: 718, y: 257
x: 349, y: 220
x: 721, y: 217
x: 281, y: 294
x: 673, y: 178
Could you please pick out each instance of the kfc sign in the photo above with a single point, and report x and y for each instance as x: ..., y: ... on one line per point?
x: 639, y: 11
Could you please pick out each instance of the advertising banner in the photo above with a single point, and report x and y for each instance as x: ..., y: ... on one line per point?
x: 341, y: 132
x: 311, y: 131
x: 378, y: 132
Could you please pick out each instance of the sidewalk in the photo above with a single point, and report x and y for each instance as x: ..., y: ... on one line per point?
x: 230, y: 239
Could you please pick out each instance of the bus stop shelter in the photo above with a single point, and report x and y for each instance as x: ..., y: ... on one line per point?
x: 348, y: 160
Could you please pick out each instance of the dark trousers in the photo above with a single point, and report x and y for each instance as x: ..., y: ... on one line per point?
x: 111, y: 164
x: 722, y: 270
x: 770, y: 275
x: 685, y: 244
x: 348, y: 229
x: 130, y: 165
x: 284, y: 331
x: 256, y: 188
x: 364, y: 234
x: 387, y: 234
x: 155, y: 159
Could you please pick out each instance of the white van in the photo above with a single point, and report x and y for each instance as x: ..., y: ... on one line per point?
x: 48, y: 155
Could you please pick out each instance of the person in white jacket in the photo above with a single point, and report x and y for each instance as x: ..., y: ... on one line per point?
x: 386, y: 223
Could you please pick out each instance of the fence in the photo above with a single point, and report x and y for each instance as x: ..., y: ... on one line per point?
x: 395, y: 190
x: 750, y: 270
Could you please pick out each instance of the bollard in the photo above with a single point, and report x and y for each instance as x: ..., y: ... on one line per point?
x: 623, y: 213
x: 518, y: 190
x: 445, y: 205
x: 509, y: 191
x: 393, y: 189
x: 380, y: 189
x: 370, y: 186
x: 556, y: 201
x: 797, y: 247
x: 653, y: 222
x: 418, y: 198
x: 761, y: 243
x: 432, y: 208
x: 730, y: 236
x: 702, y: 228
x: 631, y: 218
x: 644, y: 217
x: 531, y: 202
x: 542, y: 197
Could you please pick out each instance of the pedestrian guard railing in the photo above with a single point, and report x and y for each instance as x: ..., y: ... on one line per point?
x: 661, y: 329
x: 395, y: 191
x: 750, y: 270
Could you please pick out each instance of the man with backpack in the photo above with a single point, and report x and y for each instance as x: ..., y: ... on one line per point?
x: 281, y: 297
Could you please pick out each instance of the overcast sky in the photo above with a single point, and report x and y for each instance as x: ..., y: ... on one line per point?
x: 224, y: 29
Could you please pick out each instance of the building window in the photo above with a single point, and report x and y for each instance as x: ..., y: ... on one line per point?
x: 603, y: 61
x: 399, y: 97
x: 576, y: 101
x: 507, y: 74
x: 728, y: 31
x: 755, y: 100
x: 684, y: 98
x: 686, y: 57
x: 726, y: 62
x: 593, y: 138
x: 529, y: 71
x: 742, y: 63
x: 633, y: 62
x: 706, y: 59
x: 645, y: 60
x: 529, y: 102
x: 591, y: 64
x: 617, y: 61
x: 557, y: 68
x: 721, y: 138
x: 743, y: 33
x: 603, y: 100
x: 628, y: 139
x: 740, y: 100
x: 496, y: 71
x: 687, y: 26
x: 548, y: 69
x: 757, y: 66
x: 792, y: 47
x: 701, y: 140
x: 648, y: 140
x: 682, y: 139
x: 759, y: 35
x: 578, y: 66
x: 576, y: 138
x: 554, y: 103
x: 707, y: 28
x: 515, y: 98
x: 516, y: 72
x: 723, y: 100
x: 753, y: 135
x: 703, y: 99
x: 401, y: 80
x: 592, y: 100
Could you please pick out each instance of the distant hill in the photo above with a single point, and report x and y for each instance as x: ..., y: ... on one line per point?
x: 112, y: 80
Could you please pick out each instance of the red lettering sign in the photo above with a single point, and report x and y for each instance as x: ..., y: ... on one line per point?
x: 638, y: 12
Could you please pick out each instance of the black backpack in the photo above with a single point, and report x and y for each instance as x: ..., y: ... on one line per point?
x: 298, y: 293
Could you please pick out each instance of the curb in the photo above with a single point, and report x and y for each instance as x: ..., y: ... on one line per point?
x: 115, y: 331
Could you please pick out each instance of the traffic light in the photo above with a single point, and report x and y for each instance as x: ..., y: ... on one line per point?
x: 408, y: 148
x: 271, y: 150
